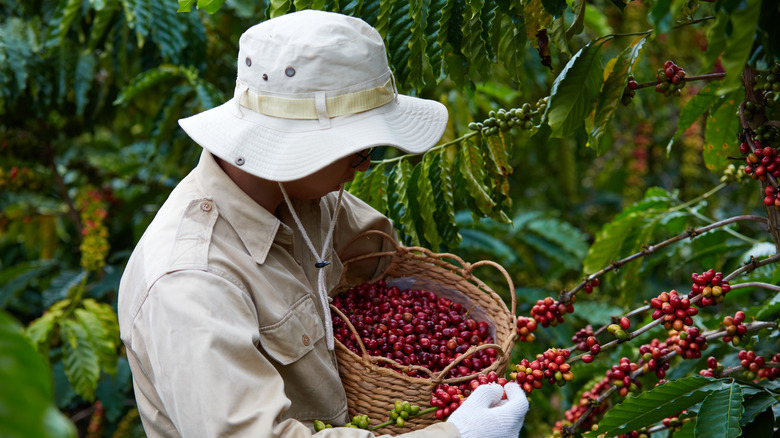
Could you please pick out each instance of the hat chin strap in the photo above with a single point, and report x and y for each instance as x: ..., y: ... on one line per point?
x: 321, y: 291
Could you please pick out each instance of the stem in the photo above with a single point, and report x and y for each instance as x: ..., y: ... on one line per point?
x: 435, y: 148
x: 566, y: 295
x: 757, y: 284
x: 752, y: 265
x: 699, y: 20
x: 704, y: 77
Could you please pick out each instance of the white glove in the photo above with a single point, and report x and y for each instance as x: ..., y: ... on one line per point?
x: 485, y: 415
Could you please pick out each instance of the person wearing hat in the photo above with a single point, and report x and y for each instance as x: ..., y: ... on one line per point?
x: 223, y: 305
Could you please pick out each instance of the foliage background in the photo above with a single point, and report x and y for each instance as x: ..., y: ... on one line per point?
x: 90, y: 91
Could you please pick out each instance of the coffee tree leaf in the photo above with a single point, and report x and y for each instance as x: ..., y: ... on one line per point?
x: 513, y: 36
x: 443, y: 200
x: 426, y: 202
x: 60, y: 23
x: 383, y: 17
x: 762, y: 425
x: 574, y: 91
x: 186, y: 5
x: 755, y: 405
x: 277, y: 8
x: 720, y: 413
x: 418, y: 61
x: 472, y: 172
x: 554, y: 7
x: 398, y: 37
x: 26, y: 394
x: 744, y: 23
x: 609, y: 241
x: 615, y: 81
x: 413, y: 197
x: 577, y: 26
x: 144, y: 81
x: 558, y: 36
x: 15, y: 279
x: 655, y: 404
x: 398, y: 204
x: 80, y: 358
x: 716, y: 40
x: 536, y: 20
x: 694, y: 110
x: 474, y: 46
x: 482, y: 242
x: 719, y: 138
x: 84, y: 75
x: 573, y: 241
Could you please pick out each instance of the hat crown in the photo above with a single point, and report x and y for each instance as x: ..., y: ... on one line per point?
x: 305, y: 52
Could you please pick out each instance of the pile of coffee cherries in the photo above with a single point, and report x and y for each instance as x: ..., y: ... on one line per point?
x: 412, y: 327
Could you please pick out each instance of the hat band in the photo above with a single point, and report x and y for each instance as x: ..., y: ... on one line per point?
x: 349, y: 103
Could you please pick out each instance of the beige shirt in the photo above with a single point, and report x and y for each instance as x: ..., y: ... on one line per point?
x: 219, y: 314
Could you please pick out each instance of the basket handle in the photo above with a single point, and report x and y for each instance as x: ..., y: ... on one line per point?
x: 474, y: 348
x: 367, y: 358
x: 470, y: 268
x: 467, y: 268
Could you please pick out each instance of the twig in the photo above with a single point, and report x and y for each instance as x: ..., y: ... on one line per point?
x: 756, y: 284
x: 706, y: 77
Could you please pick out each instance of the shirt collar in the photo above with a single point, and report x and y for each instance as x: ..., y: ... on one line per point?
x: 256, y: 227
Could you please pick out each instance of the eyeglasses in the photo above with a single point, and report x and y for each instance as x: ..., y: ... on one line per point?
x: 364, y: 156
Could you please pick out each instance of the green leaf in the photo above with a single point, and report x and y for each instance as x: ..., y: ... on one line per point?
x: 210, y: 6
x: 26, y: 403
x: 578, y: 7
x: 655, y: 404
x: 480, y: 241
x: 563, y: 234
x: 716, y: 40
x: 744, y: 23
x: 606, y: 247
x: 427, y: 202
x: 763, y: 425
x: 144, y: 81
x: 536, y: 19
x: 769, y: 309
x: 418, y: 62
x: 102, y: 340
x: 16, y: 278
x: 558, y: 35
x: 80, y: 359
x: 694, y: 109
x: 471, y: 170
x: 661, y: 16
x: 554, y: 7
x: 612, y: 90
x: 755, y: 405
x: 575, y: 91
x: 443, y: 200
x: 398, y: 204
x: 720, y: 413
x: 720, y: 134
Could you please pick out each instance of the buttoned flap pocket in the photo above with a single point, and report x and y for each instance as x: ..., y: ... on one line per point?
x: 295, y: 335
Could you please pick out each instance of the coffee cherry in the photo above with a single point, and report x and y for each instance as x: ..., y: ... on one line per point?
x: 651, y: 356
x: 550, y: 365
x: 550, y: 311
x: 711, y: 286
x: 525, y: 328
x: 688, y: 343
x: 675, y: 311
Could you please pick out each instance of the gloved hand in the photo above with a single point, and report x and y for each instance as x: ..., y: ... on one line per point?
x: 485, y: 415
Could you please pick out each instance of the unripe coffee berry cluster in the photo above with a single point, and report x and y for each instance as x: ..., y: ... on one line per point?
x: 525, y: 328
x: 773, y: 372
x: 402, y: 411
x: 620, y: 375
x: 689, y: 343
x: 671, y: 79
x: 768, y: 135
x: 550, y: 311
x: 710, y: 286
x: 651, y: 358
x: 503, y: 120
x: 764, y: 161
x: 550, y: 365
x: 412, y: 327
x: 771, y: 82
x: 676, y: 311
x: 735, y: 329
x: 714, y: 368
x: 620, y: 331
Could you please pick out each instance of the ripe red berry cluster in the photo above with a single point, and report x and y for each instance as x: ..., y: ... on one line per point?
x: 751, y: 363
x: 676, y: 311
x: 714, y: 368
x: 525, y: 328
x: 771, y: 199
x: 689, y: 343
x: 447, y: 399
x: 590, y: 285
x: 582, y: 339
x: 412, y: 327
x: 549, y: 311
x: 671, y: 79
x: 550, y: 365
x: 620, y: 330
x: 630, y: 91
x: 674, y: 421
x: 620, y: 376
x: 764, y: 161
x: 710, y: 286
x: 770, y: 373
x: 651, y: 358
x: 735, y: 329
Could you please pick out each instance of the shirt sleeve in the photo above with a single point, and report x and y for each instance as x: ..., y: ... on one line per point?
x: 196, y: 337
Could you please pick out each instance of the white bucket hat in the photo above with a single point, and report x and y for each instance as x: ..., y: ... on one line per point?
x: 312, y: 87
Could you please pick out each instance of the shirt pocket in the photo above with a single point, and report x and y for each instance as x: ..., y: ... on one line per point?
x: 295, y: 334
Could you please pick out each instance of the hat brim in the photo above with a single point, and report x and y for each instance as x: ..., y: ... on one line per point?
x: 282, y: 150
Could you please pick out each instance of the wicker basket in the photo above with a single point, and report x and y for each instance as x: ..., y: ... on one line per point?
x: 371, y: 389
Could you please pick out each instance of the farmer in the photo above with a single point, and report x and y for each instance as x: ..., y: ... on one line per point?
x: 223, y: 306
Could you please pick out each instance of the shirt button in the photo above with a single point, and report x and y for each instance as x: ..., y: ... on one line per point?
x: 306, y: 340
x: 206, y: 206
